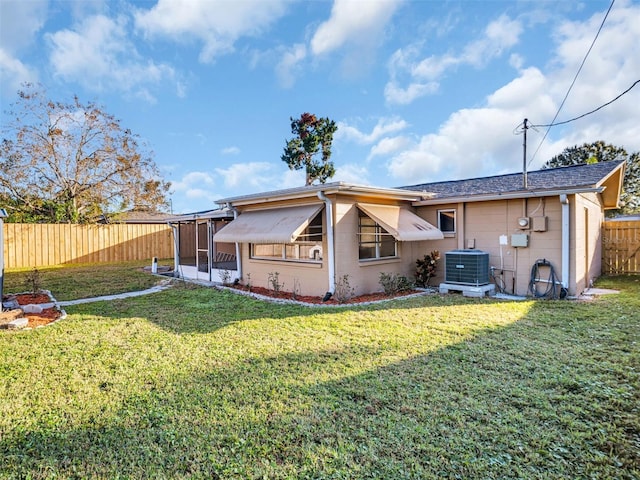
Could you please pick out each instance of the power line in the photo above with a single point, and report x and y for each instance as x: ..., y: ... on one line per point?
x: 574, y: 81
x: 592, y: 111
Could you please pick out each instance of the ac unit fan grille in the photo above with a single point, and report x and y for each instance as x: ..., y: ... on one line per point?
x: 467, y: 267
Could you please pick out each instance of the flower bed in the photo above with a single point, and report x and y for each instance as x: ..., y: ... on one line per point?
x: 48, y: 312
x: 281, y: 295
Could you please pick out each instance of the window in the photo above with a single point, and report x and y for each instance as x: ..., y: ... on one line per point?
x: 307, y: 247
x: 447, y: 221
x: 373, y: 240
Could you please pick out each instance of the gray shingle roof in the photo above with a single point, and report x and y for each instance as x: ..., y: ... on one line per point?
x: 571, y: 177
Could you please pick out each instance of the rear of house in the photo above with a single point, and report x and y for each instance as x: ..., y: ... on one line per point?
x: 557, y: 217
x: 310, y: 239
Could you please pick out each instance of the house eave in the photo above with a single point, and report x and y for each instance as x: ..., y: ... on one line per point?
x: 328, y: 189
x: 205, y: 215
x: 506, y: 196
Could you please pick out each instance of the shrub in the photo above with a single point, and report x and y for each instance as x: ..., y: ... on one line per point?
x: 393, y: 283
x: 295, y: 291
x: 33, y: 281
x: 343, y: 291
x: 273, y: 279
x: 225, y: 277
x: 426, y: 268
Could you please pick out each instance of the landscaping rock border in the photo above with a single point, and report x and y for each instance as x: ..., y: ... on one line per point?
x: 15, y: 317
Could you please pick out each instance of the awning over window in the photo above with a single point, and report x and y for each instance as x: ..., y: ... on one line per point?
x: 402, y: 224
x: 275, y: 225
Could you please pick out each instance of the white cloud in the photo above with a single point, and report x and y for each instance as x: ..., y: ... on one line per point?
x: 200, y: 193
x: 352, y: 21
x: 422, y: 76
x: 396, y: 95
x: 218, y: 25
x: 433, y: 67
x: 383, y: 127
x: 289, y: 65
x: 290, y: 179
x: 382, y: 136
x: 477, y: 140
x: 99, y: 55
x: 388, y: 146
x: 191, y: 179
x: 352, y: 173
x: 13, y: 73
x: 248, y: 176
x: 354, y: 25
x: 500, y: 35
x: 198, y: 189
x: 19, y: 23
x: 230, y: 151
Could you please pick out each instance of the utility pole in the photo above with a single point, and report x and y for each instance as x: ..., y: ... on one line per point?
x: 524, y: 155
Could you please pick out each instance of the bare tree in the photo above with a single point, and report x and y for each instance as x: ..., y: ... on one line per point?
x: 70, y: 162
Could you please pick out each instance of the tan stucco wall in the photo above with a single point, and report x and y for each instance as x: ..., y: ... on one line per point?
x: 303, y: 277
x: 364, y: 276
x: 481, y: 224
x: 313, y: 279
x: 586, y: 245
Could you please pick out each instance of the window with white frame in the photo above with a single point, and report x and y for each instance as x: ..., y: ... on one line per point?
x: 374, y: 242
x: 306, y: 248
x: 447, y: 221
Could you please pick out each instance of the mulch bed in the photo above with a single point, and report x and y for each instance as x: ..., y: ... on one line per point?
x: 371, y: 297
x: 47, y: 316
x: 32, y: 298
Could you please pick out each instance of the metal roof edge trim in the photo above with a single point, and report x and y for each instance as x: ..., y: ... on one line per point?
x: 327, y: 189
x: 506, y: 196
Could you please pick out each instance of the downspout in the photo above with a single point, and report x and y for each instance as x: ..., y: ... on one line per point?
x: 564, y: 200
x: 209, y: 247
x: 238, y: 252
x: 176, y: 250
x: 331, y: 254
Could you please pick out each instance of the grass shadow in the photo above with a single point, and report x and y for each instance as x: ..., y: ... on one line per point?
x: 549, y: 392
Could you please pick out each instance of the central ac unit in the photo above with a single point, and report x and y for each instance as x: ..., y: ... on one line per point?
x: 466, y: 267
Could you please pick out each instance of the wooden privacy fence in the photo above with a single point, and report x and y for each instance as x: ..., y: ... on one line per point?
x: 621, y: 247
x: 40, y: 245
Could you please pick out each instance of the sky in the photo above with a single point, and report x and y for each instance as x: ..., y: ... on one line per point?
x: 421, y: 91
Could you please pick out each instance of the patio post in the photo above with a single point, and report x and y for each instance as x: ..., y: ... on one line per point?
x: 3, y: 215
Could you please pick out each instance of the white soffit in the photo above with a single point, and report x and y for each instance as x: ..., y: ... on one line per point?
x: 275, y: 225
x: 401, y: 223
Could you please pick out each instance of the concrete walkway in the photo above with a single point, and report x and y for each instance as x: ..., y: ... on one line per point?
x: 157, y: 288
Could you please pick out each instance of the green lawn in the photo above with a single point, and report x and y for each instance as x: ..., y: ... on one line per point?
x: 85, y: 280
x: 199, y: 383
